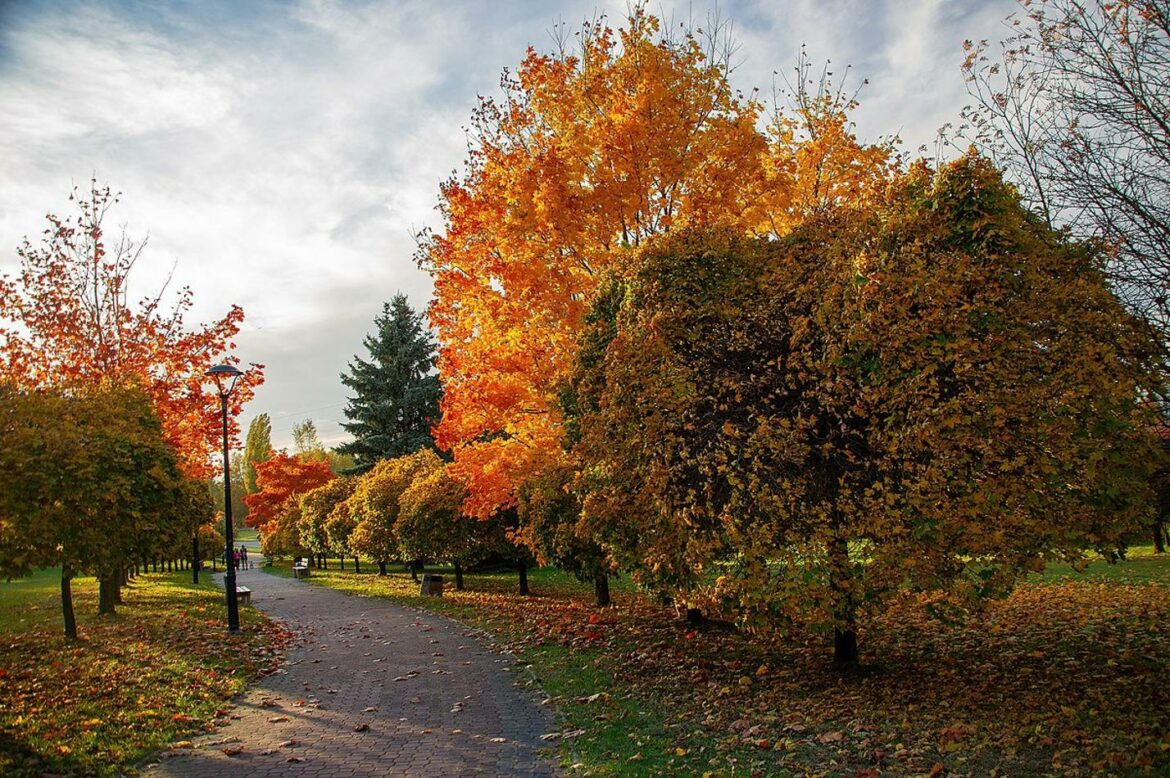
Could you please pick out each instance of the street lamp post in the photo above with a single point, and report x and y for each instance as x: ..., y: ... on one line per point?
x: 225, y: 377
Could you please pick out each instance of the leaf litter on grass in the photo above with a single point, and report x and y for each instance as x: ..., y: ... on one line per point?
x: 1062, y: 677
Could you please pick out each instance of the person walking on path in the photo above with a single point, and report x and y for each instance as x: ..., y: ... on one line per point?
x: 243, y: 557
x: 373, y: 689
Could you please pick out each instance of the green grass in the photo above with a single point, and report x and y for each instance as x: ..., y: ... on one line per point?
x: 135, y: 682
x: 1141, y: 565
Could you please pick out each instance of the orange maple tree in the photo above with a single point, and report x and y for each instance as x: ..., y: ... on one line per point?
x: 589, y: 155
x: 280, y: 480
x: 67, y: 320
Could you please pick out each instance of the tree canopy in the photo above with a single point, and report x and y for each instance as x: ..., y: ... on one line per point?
x: 67, y: 321
x: 591, y: 152
x: 939, y: 393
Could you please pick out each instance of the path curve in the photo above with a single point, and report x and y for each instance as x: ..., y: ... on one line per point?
x: 435, y: 700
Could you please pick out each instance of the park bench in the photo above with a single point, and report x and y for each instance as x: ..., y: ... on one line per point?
x: 244, y: 594
x: 300, y: 569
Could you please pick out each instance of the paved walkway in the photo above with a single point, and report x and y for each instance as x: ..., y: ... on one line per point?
x: 372, y: 689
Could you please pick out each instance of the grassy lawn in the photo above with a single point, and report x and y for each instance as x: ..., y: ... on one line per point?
x: 159, y: 670
x: 1141, y: 565
x: 1065, y: 677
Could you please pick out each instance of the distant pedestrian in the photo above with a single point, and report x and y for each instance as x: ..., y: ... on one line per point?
x: 244, y: 557
x: 235, y: 560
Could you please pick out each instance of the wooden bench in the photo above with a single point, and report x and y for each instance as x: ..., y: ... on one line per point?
x: 244, y: 594
x: 300, y: 569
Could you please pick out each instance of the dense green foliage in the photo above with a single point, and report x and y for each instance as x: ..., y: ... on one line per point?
x: 396, y: 392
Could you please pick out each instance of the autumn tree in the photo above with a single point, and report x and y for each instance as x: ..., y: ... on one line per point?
x: 67, y: 321
x: 550, y: 512
x: 306, y: 442
x: 431, y: 523
x: 88, y: 483
x: 396, y: 391
x: 257, y: 449
x: 275, y: 508
x: 940, y: 394
x: 341, y: 523
x: 282, y: 478
x: 280, y: 535
x: 1073, y: 105
x: 317, y: 509
x: 594, y: 151
x: 375, y: 507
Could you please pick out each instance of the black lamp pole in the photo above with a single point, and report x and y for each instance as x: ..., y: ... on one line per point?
x: 229, y: 578
x: 219, y: 372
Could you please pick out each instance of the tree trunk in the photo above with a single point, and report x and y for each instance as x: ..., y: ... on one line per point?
x: 845, y: 631
x: 381, y: 567
x: 524, y: 578
x: 106, y: 596
x: 413, y: 570
x: 845, y: 646
x: 694, y: 615
x: 341, y: 559
x: 601, y: 589
x: 357, y: 565
x: 458, y: 577
x: 67, y: 603
x: 195, y: 557
x: 1159, y: 537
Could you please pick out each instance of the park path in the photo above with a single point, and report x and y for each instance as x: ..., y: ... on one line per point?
x: 370, y: 689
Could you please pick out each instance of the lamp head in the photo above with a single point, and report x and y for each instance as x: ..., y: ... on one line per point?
x: 225, y: 377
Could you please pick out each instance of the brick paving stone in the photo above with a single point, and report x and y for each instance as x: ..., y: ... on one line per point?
x: 432, y: 695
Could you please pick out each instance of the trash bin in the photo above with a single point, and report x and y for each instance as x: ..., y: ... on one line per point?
x: 432, y: 585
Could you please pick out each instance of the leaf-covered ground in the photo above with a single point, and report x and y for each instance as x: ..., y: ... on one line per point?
x: 159, y: 670
x: 1066, y: 677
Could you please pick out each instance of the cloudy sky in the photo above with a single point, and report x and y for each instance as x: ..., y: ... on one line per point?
x: 281, y: 155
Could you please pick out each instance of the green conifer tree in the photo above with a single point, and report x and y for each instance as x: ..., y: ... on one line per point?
x: 396, y: 390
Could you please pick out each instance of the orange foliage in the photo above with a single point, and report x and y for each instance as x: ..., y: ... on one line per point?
x: 279, y: 480
x: 67, y: 320
x: 588, y: 156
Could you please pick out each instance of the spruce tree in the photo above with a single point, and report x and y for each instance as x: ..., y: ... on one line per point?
x: 396, y: 390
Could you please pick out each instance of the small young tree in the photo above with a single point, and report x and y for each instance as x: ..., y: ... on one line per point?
x: 316, y: 526
x: 375, y: 507
x: 431, y: 523
x: 550, y: 526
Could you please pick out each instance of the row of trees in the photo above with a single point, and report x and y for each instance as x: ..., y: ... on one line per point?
x: 406, y: 508
x: 89, y: 484
x: 108, y: 430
